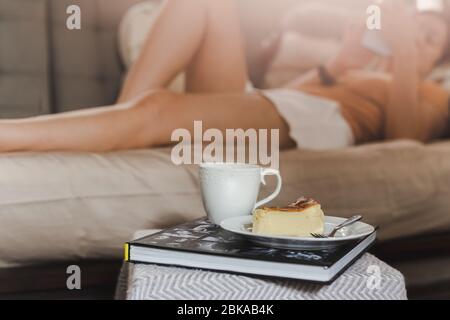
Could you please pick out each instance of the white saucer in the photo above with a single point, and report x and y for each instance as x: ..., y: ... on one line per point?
x: 243, y: 226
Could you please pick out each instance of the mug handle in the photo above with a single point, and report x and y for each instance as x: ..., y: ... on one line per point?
x: 270, y: 172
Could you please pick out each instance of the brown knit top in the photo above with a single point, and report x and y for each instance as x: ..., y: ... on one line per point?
x: 364, y: 100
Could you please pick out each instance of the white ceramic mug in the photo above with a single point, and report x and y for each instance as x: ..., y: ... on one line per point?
x: 231, y: 190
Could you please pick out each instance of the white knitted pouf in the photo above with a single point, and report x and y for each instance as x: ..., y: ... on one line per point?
x: 368, y: 279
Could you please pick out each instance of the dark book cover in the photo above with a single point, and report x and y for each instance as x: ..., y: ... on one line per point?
x: 202, y: 237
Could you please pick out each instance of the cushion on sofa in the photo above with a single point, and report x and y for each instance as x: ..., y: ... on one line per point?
x: 86, y: 69
x: 69, y: 206
x: 64, y: 206
x: 24, y: 68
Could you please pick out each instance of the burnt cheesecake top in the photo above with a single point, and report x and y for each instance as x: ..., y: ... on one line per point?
x: 299, y: 205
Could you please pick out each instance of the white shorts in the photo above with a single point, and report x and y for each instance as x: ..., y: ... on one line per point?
x: 315, y: 123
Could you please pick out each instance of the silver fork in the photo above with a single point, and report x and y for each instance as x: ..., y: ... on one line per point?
x: 346, y: 223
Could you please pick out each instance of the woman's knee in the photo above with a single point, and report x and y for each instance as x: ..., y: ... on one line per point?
x: 139, y: 114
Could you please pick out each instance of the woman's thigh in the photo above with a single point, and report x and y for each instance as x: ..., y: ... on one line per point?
x: 219, y: 111
x: 220, y: 64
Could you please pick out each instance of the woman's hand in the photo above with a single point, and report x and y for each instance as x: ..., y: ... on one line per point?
x: 353, y: 55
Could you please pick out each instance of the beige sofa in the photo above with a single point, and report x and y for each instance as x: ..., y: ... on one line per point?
x: 68, y: 206
x: 71, y: 206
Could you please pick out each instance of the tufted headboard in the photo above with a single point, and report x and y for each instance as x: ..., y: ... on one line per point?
x: 44, y: 67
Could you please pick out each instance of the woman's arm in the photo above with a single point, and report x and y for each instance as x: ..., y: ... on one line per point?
x: 403, y: 112
x: 305, y: 20
x: 333, y: 69
x: 308, y: 19
x: 351, y: 56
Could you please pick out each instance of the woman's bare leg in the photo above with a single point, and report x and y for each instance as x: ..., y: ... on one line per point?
x: 200, y: 36
x: 99, y: 129
x: 219, y: 65
x: 140, y: 121
x: 230, y: 111
x: 144, y: 122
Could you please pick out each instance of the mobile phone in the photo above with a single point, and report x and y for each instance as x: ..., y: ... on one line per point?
x: 373, y: 40
x: 430, y: 5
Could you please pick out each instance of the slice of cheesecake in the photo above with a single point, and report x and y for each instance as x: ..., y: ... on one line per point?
x: 299, y: 219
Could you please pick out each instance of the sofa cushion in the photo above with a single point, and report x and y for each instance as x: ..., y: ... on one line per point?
x: 24, y: 70
x: 86, y: 67
x: 71, y: 206
x: 65, y: 206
